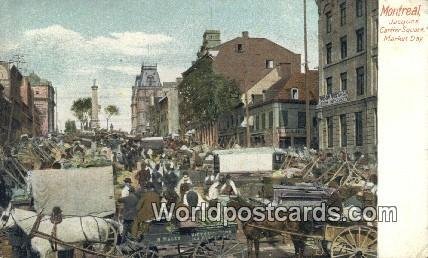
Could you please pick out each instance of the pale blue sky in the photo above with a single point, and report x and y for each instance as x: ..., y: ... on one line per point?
x: 71, y: 42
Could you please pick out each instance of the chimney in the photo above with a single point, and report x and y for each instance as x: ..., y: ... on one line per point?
x: 245, y: 34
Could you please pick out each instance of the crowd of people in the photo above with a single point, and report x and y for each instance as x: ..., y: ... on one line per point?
x: 157, y: 178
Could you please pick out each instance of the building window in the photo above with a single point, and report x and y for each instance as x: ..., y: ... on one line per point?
x: 150, y: 80
x: 294, y: 93
x: 257, y: 122
x: 328, y: 21
x: 301, y: 120
x: 360, y: 8
x: 343, y: 47
x: 344, y: 81
x: 360, y: 80
x: 283, y: 120
x: 263, y: 121
x: 239, y: 48
x: 330, y: 131
x: 343, y: 131
x: 360, y: 39
x: 329, y: 85
x: 359, y: 128
x: 342, y: 13
x: 271, y: 119
x: 328, y: 49
x: 269, y: 64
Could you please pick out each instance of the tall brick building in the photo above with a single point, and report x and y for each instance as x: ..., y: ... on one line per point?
x: 44, y: 100
x: 266, y: 73
x: 254, y: 63
x: 18, y: 114
x: 347, y: 109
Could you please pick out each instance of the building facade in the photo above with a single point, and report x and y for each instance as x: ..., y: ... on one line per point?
x: 255, y: 64
x: 277, y: 117
x: 18, y: 114
x: 44, y: 102
x: 210, y: 40
x: 347, y: 109
x: 169, y: 115
x: 146, y: 93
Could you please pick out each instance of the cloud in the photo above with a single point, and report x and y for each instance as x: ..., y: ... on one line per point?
x: 122, y: 43
x: 54, y: 32
x: 129, y: 43
x: 125, y: 69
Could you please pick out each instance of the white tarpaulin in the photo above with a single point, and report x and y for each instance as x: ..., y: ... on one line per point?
x: 78, y: 192
x: 245, y: 162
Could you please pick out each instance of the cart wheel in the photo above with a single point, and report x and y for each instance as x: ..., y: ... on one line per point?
x: 221, y: 248
x: 109, y: 245
x: 145, y: 253
x: 356, y: 241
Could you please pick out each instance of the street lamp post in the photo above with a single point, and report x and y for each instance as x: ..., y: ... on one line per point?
x: 307, y: 99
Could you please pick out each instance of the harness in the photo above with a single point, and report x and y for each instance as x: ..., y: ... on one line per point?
x: 56, y: 218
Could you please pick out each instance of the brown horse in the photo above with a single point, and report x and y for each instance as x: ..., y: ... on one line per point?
x: 254, y: 231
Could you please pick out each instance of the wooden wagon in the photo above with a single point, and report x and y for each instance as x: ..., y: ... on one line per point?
x: 340, y: 239
x: 163, y: 239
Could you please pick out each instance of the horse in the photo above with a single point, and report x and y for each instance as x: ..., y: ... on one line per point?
x: 254, y: 231
x: 73, y: 230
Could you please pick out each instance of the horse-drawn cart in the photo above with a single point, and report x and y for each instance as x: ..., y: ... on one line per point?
x: 339, y: 237
x: 342, y: 241
x: 164, y: 239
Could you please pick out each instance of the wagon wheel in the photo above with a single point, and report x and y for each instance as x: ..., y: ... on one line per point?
x: 221, y: 248
x: 147, y: 252
x: 108, y: 246
x: 356, y: 241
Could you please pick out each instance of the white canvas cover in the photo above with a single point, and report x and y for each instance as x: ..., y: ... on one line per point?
x: 245, y: 162
x: 78, y: 192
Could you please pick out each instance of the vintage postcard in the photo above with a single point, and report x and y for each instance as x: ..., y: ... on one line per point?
x: 213, y: 128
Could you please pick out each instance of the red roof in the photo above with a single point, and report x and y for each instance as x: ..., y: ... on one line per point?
x: 281, y: 90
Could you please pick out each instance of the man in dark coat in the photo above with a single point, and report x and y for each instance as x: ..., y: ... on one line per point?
x: 145, y: 212
x: 129, y: 211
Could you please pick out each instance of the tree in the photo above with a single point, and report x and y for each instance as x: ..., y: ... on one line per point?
x: 204, y: 95
x: 110, y: 111
x: 82, y: 110
x: 70, y: 126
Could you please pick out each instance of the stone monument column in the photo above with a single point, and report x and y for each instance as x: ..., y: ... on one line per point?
x: 95, y: 122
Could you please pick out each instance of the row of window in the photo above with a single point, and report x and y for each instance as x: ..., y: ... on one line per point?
x: 231, y: 122
x: 261, y: 126
x: 360, y: 82
x: 260, y: 120
x: 344, y: 129
x: 359, y: 12
x: 344, y: 46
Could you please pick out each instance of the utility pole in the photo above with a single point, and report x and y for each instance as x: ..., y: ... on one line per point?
x: 307, y: 99
x: 56, y: 110
x: 247, y: 110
